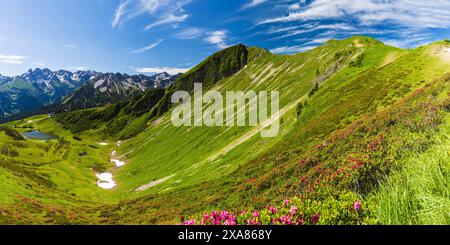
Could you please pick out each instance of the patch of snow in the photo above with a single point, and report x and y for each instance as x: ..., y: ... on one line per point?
x: 48, y: 84
x: 99, y: 83
x: 118, y: 162
x: 30, y: 121
x: 105, y: 181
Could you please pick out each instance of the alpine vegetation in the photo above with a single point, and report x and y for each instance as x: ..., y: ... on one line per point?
x: 208, y: 109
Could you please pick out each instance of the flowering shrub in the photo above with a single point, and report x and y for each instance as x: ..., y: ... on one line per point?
x: 289, y: 212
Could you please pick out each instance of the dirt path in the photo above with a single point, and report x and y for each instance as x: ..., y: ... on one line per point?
x: 445, y: 53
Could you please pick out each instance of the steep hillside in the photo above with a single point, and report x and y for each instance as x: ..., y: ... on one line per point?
x: 17, y: 95
x: 357, y: 119
x: 220, y: 65
x: 125, y: 120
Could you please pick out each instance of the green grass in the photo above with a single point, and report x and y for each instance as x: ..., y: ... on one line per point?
x: 57, y: 163
x: 419, y: 193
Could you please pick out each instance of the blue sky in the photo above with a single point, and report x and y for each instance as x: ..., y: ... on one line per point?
x: 144, y: 36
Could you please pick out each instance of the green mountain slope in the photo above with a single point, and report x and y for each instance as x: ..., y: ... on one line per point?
x: 352, y: 113
x: 16, y: 95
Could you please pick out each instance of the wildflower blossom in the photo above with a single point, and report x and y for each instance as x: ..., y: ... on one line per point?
x: 224, y: 215
x: 293, y: 210
x: 229, y: 222
x: 251, y: 222
x: 189, y: 222
x: 315, y: 219
x: 273, y: 210
x: 284, y: 219
x: 206, y: 219
x: 357, y: 205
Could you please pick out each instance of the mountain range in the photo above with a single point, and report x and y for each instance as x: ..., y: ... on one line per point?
x: 64, y: 90
x: 113, y: 87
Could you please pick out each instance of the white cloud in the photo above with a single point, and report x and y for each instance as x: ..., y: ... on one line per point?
x: 169, y: 70
x: 218, y: 38
x: 295, y: 6
x: 313, y: 28
x: 189, y: 33
x: 320, y: 40
x: 119, y: 13
x: 12, y: 59
x: 152, y: 6
x: 412, y: 13
x: 147, y: 48
x: 171, y: 10
x: 409, y: 40
x: 169, y: 19
x: 274, y: 30
x: 393, y: 21
x: 253, y: 3
x: 292, y: 49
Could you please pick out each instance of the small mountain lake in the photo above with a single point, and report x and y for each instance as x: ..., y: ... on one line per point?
x: 38, y: 135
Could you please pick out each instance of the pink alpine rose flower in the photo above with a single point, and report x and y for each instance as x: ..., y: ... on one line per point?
x: 189, y: 222
x: 293, y: 210
x: 224, y: 215
x: 251, y: 222
x: 273, y: 210
x: 357, y: 205
x: 315, y: 219
x: 206, y: 219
